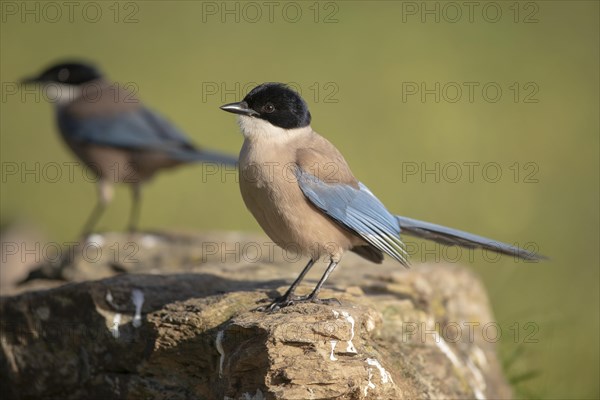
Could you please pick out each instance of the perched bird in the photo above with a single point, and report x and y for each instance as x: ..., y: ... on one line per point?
x: 303, y: 194
x: 114, y: 134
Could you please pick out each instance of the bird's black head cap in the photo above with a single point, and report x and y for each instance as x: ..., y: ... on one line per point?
x: 70, y: 73
x: 278, y: 104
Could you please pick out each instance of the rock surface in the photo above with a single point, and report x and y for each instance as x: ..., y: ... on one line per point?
x: 421, y: 333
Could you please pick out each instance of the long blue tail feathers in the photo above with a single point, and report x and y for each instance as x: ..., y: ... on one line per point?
x: 448, y: 236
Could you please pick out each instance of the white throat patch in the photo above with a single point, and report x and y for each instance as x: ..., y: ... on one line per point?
x: 60, y: 93
x: 256, y: 128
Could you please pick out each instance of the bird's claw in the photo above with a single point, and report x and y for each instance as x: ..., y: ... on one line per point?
x: 285, y: 301
x: 315, y: 299
x: 278, y: 303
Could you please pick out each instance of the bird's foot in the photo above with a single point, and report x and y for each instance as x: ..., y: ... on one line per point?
x: 285, y: 301
x: 314, y: 299
x: 278, y: 303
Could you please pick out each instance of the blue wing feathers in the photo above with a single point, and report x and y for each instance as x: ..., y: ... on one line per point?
x: 356, y: 209
x: 141, y: 129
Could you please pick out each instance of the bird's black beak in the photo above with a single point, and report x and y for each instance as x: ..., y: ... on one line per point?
x: 239, y: 108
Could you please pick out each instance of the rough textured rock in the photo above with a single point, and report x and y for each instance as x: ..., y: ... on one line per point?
x: 397, y: 334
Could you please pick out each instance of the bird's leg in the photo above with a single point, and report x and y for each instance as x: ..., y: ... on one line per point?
x: 93, y: 219
x: 287, y: 298
x: 290, y: 292
x: 134, y: 215
x: 313, y: 296
x: 105, y: 194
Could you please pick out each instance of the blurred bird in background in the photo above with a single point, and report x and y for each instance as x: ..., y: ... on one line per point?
x: 114, y: 134
x: 303, y: 194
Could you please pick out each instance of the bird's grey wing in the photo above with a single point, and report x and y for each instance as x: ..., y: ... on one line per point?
x: 450, y: 236
x: 139, y: 129
x: 185, y: 150
x: 358, y: 210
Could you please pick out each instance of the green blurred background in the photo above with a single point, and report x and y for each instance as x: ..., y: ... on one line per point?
x: 354, y: 62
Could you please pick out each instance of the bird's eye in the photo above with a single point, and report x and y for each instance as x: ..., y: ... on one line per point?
x: 63, y: 74
x: 269, y: 108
